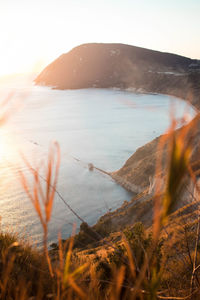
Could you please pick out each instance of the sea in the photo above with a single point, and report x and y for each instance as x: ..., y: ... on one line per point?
x: 102, y: 127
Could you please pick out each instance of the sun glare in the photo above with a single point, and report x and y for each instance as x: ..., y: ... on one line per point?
x: 31, y: 30
x: 4, y: 149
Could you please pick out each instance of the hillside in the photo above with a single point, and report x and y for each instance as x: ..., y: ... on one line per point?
x: 142, y: 70
x: 139, y: 175
x: 123, y: 256
x: 122, y: 66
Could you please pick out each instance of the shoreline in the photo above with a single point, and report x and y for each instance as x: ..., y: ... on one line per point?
x: 128, y: 186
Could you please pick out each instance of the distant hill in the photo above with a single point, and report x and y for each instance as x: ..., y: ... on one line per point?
x: 140, y: 70
x: 121, y: 66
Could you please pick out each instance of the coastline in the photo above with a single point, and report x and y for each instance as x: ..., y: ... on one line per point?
x: 127, y: 185
x: 136, y: 189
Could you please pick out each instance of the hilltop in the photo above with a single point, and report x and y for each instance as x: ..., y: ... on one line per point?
x: 125, y: 67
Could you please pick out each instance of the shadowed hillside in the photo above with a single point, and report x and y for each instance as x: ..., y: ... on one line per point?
x: 123, y: 66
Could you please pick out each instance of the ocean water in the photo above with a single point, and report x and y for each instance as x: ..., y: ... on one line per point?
x: 99, y: 126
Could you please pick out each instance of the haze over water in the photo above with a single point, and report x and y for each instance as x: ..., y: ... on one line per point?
x: 98, y: 126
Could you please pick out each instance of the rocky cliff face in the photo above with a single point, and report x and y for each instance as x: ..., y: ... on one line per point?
x: 136, y: 173
x: 139, y: 176
x: 139, y: 171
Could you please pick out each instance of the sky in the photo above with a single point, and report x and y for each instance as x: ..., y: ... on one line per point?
x: 35, y: 32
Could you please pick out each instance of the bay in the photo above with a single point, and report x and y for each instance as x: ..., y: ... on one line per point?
x: 99, y: 126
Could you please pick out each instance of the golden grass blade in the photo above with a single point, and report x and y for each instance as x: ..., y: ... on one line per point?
x: 119, y: 283
x: 130, y: 257
x: 7, y: 270
x: 67, y: 262
x: 79, y: 270
x: 77, y: 289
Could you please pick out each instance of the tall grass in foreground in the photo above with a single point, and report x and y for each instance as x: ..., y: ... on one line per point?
x: 142, y: 264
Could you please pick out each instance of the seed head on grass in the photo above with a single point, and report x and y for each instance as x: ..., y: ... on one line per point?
x: 43, y: 200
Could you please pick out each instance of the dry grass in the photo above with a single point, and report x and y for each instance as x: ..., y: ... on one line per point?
x: 159, y: 264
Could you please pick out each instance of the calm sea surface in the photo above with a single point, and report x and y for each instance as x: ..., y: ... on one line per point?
x: 98, y: 126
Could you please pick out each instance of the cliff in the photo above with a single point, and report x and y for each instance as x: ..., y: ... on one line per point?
x: 140, y: 175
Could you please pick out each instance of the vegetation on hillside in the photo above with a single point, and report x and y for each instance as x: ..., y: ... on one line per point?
x: 161, y: 261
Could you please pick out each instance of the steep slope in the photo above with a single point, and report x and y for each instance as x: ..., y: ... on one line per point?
x: 139, y: 176
x: 139, y: 171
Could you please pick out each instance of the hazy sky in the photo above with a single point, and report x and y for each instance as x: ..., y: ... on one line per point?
x: 35, y: 32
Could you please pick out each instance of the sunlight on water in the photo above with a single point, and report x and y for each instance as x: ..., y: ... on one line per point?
x: 103, y: 127
x: 4, y: 148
